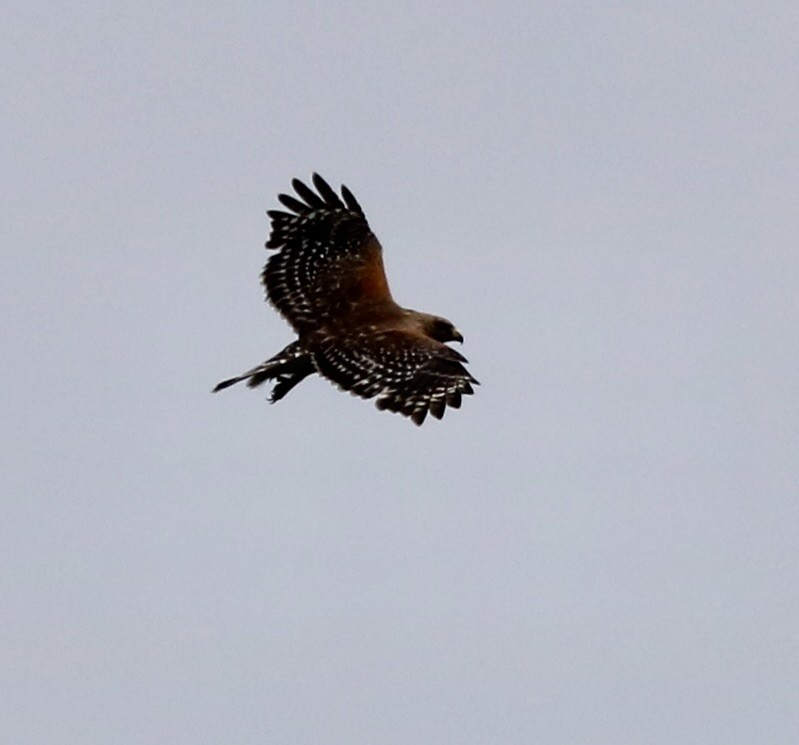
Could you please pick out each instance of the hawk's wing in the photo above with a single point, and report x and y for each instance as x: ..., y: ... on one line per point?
x: 409, y: 373
x: 328, y: 259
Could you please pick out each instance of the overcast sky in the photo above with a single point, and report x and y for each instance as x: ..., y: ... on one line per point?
x: 599, y: 547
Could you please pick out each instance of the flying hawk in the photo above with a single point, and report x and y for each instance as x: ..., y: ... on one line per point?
x: 327, y: 280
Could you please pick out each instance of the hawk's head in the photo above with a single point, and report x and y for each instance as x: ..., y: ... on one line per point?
x: 441, y: 329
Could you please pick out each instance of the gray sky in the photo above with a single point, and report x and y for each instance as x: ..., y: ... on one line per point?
x: 601, y: 546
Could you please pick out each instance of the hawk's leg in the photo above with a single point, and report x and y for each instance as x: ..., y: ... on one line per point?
x: 289, y: 367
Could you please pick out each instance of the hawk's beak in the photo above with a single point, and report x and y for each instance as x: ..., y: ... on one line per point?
x: 457, y: 336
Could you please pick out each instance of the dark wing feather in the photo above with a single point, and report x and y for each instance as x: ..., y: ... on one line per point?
x: 310, y: 197
x: 328, y: 196
x: 328, y: 260
x: 351, y: 201
x: 409, y: 373
x: 292, y: 203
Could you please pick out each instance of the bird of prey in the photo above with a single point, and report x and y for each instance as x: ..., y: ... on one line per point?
x: 327, y: 280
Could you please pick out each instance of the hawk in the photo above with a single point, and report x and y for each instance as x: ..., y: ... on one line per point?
x: 327, y: 280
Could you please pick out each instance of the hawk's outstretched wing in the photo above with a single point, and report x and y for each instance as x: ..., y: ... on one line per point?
x: 328, y: 260
x: 409, y: 373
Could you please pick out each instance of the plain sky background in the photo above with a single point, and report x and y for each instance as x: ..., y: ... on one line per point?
x: 599, y: 547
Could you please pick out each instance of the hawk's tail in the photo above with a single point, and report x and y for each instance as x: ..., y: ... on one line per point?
x: 289, y: 367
